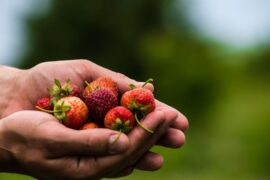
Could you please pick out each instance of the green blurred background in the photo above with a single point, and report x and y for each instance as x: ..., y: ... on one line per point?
x: 219, y: 79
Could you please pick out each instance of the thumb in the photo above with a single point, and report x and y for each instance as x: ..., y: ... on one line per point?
x: 90, y: 142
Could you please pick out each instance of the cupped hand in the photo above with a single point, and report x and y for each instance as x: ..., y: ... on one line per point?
x: 38, y: 145
x: 32, y: 84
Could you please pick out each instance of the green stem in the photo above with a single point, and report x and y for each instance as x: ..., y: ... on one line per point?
x: 47, y: 111
x: 89, y: 85
x: 118, y: 136
x: 150, y: 80
x: 145, y: 128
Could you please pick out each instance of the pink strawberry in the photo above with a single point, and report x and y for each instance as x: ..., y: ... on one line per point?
x: 45, y: 103
x: 71, y: 111
x: 101, y: 82
x: 75, y: 91
x: 120, y: 119
x: 99, y: 103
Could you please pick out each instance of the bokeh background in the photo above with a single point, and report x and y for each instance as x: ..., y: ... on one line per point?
x: 210, y: 59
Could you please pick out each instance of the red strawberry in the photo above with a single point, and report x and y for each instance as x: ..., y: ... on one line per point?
x: 120, y: 119
x: 75, y: 91
x: 60, y: 90
x: 99, y: 103
x: 71, y: 111
x: 102, y: 82
x: 45, y: 103
x: 139, y: 100
x: 89, y: 125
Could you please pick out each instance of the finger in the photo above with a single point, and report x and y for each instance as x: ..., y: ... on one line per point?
x: 150, y: 162
x: 73, y: 167
x: 181, y: 122
x: 173, y: 138
x: 152, y: 121
x: 141, y: 140
x: 122, y: 80
x: 127, y: 171
x: 88, y: 142
x: 137, y: 137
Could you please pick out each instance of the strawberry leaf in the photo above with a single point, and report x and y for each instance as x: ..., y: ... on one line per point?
x: 61, y: 109
x: 126, y: 129
x: 58, y: 91
x: 114, y: 127
x: 126, y: 123
x: 118, y: 122
x: 132, y: 86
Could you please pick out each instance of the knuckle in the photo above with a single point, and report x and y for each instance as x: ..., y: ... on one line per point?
x: 31, y: 158
x: 171, y: 114
x: 84, y: 61
x: 84, y: 169
x: 89, y: 142
x: 95, y: 144
x: 182, y: 139
x: 185, y: 123
x: 160, y: 116
x: 132, y: 161
x: 179, y: 141
x: 120, y: 75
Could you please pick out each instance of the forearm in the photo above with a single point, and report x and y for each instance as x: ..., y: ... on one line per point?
x: 9, y: 78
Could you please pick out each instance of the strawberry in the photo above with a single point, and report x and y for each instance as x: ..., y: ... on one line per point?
x: 60, y: 90
x: 140, y: 100
x: 101, y: 82
x: 75, y: 91
x: 120, y: 119
x: 89, y: 125
x: 71, y: 111
x: 45, y: 103
x: 99, y: 103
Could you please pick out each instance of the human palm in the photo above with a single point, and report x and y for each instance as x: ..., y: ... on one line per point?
x: 47, y: 145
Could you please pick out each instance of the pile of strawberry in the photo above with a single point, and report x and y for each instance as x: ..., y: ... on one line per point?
x: 99, y: 105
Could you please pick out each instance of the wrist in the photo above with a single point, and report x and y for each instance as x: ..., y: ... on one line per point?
x: 7, y: 163
x: 10, y: 88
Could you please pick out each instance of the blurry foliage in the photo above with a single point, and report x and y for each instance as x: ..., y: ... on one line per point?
x: 104, y: 31
x: 225, y: 96
x: 129, y: 37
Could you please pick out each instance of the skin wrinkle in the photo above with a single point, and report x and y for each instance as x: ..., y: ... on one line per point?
x: 146, y: 160
x: 80, y: 73
x: 138, y: 154
x: 11, y: 101
x: 9, y: 155
x: 7, y: 96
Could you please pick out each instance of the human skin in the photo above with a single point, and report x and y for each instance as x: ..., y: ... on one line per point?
x: 35, y: 143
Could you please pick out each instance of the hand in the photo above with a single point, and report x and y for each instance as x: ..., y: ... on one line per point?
x: 38, y: 145
x: 30, y: 86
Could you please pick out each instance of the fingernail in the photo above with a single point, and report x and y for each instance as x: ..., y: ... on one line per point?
x: 117, y: 143
x: 149, y: 86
